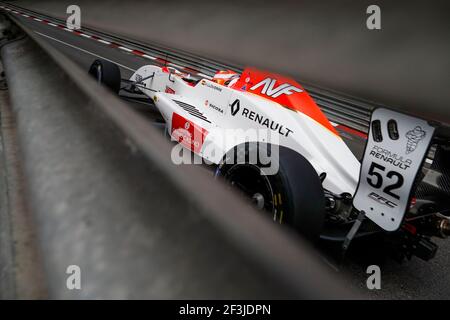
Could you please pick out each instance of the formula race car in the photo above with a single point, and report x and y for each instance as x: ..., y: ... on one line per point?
x: 266, y: 137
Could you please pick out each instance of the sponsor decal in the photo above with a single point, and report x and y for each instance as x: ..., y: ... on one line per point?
x: 391, y: 157
x: 382, y: 200
x: 211, y: 86
x: 169, y: 90
x: 235, y: 107
x: 269, y: 89
x: 218, y: 109
x: 258, y: 118
x: 414, y: 136
x: 284, y: 91
x: 188, y: 133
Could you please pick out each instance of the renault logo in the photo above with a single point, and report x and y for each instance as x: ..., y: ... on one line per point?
x: 235, y: 106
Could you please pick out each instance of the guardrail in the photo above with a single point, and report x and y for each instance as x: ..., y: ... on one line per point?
x: 339, y: 108
x: 103, y: 194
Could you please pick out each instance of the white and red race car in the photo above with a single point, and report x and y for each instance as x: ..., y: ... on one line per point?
x: 267, y: 137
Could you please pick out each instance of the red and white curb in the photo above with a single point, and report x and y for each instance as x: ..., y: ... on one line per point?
x: 112, y: 44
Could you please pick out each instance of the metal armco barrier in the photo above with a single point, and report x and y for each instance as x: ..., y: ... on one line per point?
x: 105, y: 196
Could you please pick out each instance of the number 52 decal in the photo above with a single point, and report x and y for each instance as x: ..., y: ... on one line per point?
x: 395, y: 150
x: 376, y: 179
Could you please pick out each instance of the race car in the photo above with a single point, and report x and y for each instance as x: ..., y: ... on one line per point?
x: 266, y: 137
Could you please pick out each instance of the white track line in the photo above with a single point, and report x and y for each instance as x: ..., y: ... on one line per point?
x: 85, y: 51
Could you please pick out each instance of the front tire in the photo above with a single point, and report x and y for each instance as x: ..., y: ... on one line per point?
x: 293, y: 195
x: 106, y: 73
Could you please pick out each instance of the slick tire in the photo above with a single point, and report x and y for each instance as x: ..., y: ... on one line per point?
x: 106, y: 73
x: 293, y: 195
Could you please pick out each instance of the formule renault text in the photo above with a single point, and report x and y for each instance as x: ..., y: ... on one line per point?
x: 398, y: 194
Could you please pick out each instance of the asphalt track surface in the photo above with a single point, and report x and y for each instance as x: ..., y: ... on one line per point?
x: 415, y: 279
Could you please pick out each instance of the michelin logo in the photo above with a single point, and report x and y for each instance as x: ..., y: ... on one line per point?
x: 414, y: 136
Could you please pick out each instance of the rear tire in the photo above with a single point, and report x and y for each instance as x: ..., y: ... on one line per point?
x: 106, y: 73
x: 293, y: 196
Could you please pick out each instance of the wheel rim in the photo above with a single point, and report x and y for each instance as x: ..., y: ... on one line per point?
x: 248, y: 180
